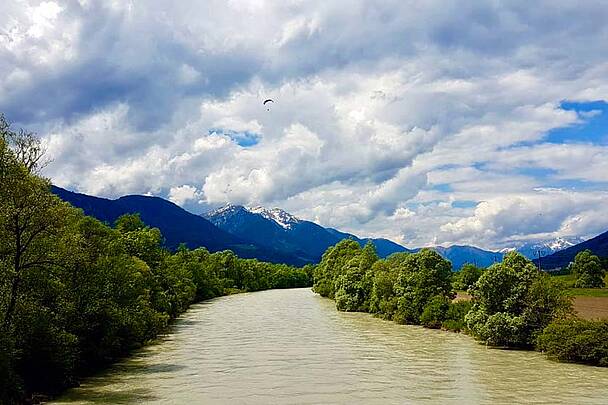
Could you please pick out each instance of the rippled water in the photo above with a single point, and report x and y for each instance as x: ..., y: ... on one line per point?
x: 292, y: 346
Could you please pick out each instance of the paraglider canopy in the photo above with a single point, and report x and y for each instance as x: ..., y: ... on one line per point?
x: 268, y: 100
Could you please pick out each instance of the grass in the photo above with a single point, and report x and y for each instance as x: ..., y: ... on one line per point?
x: 588, y: 292
x: 568, y: 281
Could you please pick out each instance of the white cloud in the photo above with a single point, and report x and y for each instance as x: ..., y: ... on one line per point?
x: 182, y: 194
x: 425, y: 123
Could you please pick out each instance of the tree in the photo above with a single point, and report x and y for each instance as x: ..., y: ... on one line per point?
x: 383, y: 301
x: 467, y: 277
x: 513, y: 302
x: 353, y: 287
x: 435, y: 311
x: 31, y: 218
x: 576, y: 340
x: 588, y: 270
x: 421, y: 276
x: 331, y: 266
x: 140, y: 240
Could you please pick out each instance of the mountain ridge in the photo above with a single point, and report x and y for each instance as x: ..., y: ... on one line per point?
x: 559, y: 260
x: 176, y: 224
x: 267, y: 234
x: 276, y: 227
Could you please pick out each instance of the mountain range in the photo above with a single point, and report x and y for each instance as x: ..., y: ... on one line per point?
x: 277, y: 228
x: 560, y: 259
x: 277, y: 236
x: 176, y: 224
x: 532, y: 249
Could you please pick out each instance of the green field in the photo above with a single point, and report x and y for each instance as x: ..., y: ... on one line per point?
x: 568, y: 282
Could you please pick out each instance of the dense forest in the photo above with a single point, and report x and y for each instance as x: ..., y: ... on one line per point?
x: 76, y: 294
x: 513, y: 304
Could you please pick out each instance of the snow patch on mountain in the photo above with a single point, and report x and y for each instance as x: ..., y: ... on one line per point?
x: 223, y: 211
x: 280, y: 217
x: 283, y: 219
x: 531, y: 249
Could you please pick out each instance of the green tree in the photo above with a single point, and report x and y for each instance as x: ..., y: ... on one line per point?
x: 435, y: 312
x: 140, y: 240
x: 353, y: 287
x: 421, y: 276
x: 588, y: 270
x: 383, y: 301
x: 576, y: 340
x: 513, y: 302
x: 467, y: 277
x: 333, y: 261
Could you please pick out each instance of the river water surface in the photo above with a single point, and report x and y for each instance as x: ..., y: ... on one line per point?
x: 292, y: 346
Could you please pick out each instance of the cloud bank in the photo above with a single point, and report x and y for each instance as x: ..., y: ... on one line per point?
x: 425, y: 123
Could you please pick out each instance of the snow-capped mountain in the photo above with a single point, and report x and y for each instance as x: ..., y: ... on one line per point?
x: 280, y: 217
x: 176, y: 224
x: 598, y: 245
x: 277, y: 236
x: 545, y: 247
x: 280, y: 230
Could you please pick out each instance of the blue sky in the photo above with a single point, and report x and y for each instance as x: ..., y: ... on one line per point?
x: 427, y: 123
x: 592, y: 128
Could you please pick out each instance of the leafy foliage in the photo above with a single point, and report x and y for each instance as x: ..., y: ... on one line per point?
x: 76, y: 294
x: 513, y: 302
x: 399, y: 288
x: 588, y: 270
x: 576, y: 340
x: 467, y: 277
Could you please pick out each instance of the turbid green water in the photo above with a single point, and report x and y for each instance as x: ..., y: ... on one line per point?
x: 292, y: 346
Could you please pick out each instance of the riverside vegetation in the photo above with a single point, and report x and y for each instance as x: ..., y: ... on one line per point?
x: 77, y: 294
x: 513, y: 305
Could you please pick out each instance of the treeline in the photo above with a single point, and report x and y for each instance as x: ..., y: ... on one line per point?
x: 76, y: 294
x: 513, y: 303
x: 406, y: 288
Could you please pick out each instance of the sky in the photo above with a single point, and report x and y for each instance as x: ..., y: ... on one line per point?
x: 435, y: 122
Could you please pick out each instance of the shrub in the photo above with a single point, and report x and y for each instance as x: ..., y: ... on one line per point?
x: 454, y: 317
x: 434, y: 312
x: 576, y: 340
x: 513, y: 302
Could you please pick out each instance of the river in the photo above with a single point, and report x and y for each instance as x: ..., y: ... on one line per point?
x: 292, y: 346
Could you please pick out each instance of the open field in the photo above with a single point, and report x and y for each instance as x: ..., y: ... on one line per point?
x: 588, y: 303
x: 591, y: 307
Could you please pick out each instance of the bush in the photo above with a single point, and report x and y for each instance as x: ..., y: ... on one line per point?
x: 513, y: 302
x: 454, y: 317
x: 576, y: 340
x: 434, y: 312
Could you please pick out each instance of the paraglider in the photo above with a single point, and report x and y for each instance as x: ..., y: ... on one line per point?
x: 269, y: 100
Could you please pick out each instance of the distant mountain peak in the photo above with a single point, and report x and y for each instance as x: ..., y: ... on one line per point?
x: 224, y: 210
x: 561, y: 243
x: 277, y: 215
x: 531, y: 249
